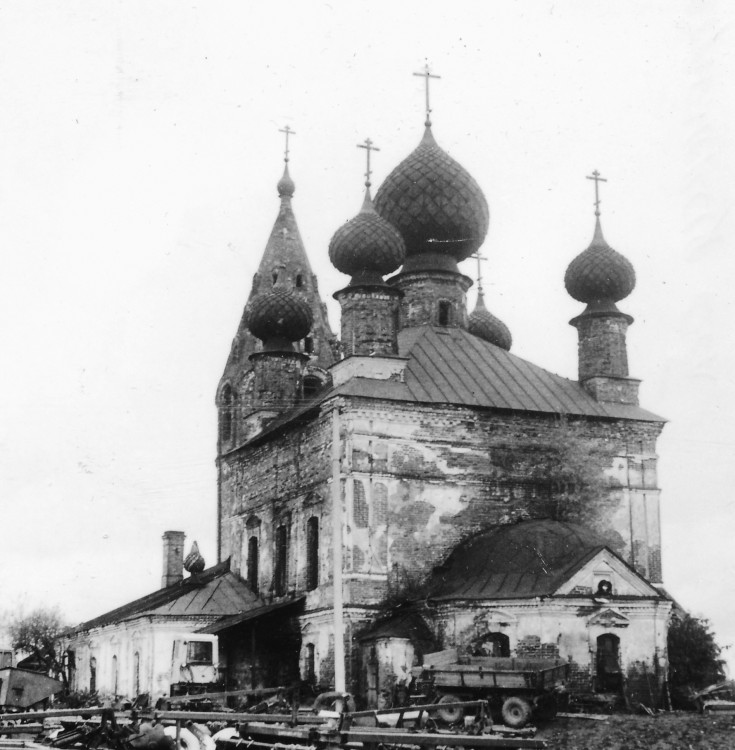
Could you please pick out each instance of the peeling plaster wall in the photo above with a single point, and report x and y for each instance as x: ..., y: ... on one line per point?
x: 568, y: 630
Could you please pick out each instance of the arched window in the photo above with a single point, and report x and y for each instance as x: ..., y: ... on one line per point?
x: 445, y: 312
x: 275, y: 277
x: 252, y: 564
x: 312, y: 553
x: 308, y: 345
x: 280, y: 573
x: 114, y: 675
x: 312, y: 386
x: 93, y: 675
x: 360, y: 510
x: 310, y: 675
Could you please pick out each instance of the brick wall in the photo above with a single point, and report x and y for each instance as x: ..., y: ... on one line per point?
x: 369, y: 320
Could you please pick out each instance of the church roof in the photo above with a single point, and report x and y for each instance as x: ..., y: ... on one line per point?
x: 527, y: 559
x: 215, y: 592
x: 451, y: 366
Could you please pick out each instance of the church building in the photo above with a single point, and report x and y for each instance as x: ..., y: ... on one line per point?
x: 417, y: 478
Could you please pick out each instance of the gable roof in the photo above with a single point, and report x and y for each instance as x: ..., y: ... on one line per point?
x: 517, y: 561
x: 215, y: 592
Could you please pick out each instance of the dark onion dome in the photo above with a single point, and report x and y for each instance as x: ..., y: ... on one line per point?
x: 194, y: 562
x: 434, y: 203
x: 367, y: 247
x: 286, y: 185
x: 279, y: 318
x: 484, y: 325
x: 599, y: 274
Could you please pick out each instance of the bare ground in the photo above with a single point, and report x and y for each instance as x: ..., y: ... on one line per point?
x: 669, y: 731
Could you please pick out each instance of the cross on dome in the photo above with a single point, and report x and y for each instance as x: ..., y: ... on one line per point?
x: 368, y: 146
x: 427, y: 74
x: 479, y: 258
x: 287, y: 130
x: 596, y: 177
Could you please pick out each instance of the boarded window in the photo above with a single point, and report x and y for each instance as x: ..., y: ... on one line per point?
x: 252, y: 563
x: 380, y: 503
x: 312, y: 553
x: 228, y: 398
x: 281, y: 567
x: 360, y: 511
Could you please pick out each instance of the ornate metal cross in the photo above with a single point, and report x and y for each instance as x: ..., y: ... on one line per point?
x: 427, y: 74
x: 368, y: 146
x: 287, y: 130
x: 596, y: 177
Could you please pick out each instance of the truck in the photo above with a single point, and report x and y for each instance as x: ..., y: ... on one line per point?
x: 516, y: 689
x: 194, y: 665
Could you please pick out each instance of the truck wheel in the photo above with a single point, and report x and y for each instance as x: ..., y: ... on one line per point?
x: 516, y: 712
x: 449, y: 715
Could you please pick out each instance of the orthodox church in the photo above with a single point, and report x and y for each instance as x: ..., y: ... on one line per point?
x: 412, y: 485
x: 415, y: 486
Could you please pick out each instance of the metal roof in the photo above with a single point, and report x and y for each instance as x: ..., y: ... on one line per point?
x: 224, y: 623
x: 516, y: 561
x: 215, y: 592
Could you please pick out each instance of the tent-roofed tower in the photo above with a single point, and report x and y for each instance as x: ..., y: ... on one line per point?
x: 284, y: 259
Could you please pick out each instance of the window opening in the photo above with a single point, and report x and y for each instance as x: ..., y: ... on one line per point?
x: 310, y: 664
x: 275, y: 277
x: 299, y: 280
x: 253, y: 563
x: 93, y: 675
x: 308, y: 345
x: 199, y: 652
x: 114, y: 675
x: 312, y: 386
x: 281, y: 565
x: 136, y: 673
x: 312, y: 553
x: 609, y: 676
x: 493, y: 644
x: 444, y: 313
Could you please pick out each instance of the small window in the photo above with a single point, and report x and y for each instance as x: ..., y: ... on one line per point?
x: 253, y: 563
x: 308, y: 345
x: 299, y: 280
x: 312, y: 553
x: 445, y: 309
x: 493, y: 644
x: 93, y: 675
x: 312, y: 385
x: 199, y: 652
x: 275, y: 277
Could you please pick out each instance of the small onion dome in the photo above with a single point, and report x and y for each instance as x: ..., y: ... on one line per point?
x: 194, y: 562
x: 434, y: 203
x: 367, y: 247
x: 599, y: 274
x: 286, y: 185
x: 486, y: 326
x: 278, y: 318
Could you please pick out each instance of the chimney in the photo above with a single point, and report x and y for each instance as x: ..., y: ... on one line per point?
x: 173, y: 558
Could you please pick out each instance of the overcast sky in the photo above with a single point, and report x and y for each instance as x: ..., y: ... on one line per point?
x: 139, y: 152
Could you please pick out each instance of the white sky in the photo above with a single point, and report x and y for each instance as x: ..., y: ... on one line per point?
x: 139, y: 152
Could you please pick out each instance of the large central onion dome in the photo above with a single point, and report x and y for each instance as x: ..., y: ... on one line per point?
x: 279, y: 318
x: 367, y: 247
x: 435, y: 204
x: 599, y: 274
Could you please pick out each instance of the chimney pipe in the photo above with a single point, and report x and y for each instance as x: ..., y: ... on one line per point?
x: 173, y: 558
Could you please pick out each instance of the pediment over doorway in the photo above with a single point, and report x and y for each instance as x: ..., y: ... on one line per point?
x: 609, y: 618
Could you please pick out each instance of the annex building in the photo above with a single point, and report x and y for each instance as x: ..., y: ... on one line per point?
x: 458, y: 495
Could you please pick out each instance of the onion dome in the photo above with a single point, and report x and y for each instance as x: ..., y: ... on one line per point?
x: 367, y: 247
x: 435, y: 204
x: 194, y: 562
x: 484, y: 325
x: 599, y: 274
x: 279, y: 317
x: 286, y: 185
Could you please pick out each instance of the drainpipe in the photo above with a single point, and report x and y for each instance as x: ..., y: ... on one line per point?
x: 339, y: 642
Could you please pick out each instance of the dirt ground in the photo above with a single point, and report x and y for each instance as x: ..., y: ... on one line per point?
x: 670, y: 731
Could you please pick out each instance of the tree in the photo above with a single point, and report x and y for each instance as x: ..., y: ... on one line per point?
x: 694, y: 656
x: 37, y: 634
